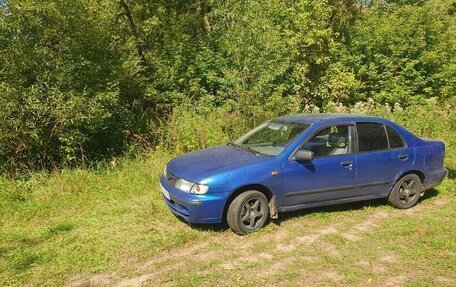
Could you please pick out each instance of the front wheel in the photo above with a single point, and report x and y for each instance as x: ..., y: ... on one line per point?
x: 406, y: 192
x: 248, y: 212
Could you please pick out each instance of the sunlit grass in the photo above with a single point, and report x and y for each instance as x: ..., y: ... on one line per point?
x: 80, y: 221
x: 72, y: 224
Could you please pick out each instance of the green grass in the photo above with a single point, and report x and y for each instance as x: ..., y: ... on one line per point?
x: 68, y: 226
x: 81, y: 221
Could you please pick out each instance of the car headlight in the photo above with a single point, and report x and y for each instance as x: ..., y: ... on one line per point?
x: 190, y: 187
x: 165, y: 172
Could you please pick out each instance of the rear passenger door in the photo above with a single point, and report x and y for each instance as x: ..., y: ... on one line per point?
x: 382, y: 154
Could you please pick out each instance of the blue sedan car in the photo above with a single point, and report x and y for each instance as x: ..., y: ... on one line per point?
x: 301, y: 161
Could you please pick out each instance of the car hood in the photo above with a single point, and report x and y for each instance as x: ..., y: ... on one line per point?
x: 198, y: 165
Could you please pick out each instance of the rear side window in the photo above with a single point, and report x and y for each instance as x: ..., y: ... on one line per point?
x: 395, y: 139
x: 371, y: 136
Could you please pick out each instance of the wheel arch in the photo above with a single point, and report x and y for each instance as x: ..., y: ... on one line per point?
x: 259, y: 187
x: 413, y: 171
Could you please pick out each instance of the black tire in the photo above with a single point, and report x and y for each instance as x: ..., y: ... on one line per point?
x: 406, y: 192
x: 248, y: 212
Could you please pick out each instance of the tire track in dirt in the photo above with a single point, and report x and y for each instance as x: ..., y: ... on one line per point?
x: 368, y: 224
x: 382, y: 265
x: 317, y: 240
x: 233, y: 250
x: 157, y: 264
x: 354, y: 233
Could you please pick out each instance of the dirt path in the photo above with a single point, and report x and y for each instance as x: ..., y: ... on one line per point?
x: 235, y: 260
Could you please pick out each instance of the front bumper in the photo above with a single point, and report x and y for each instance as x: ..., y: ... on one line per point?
x: 207, y: 208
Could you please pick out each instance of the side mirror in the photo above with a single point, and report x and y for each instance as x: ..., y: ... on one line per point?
x: 304, y: 155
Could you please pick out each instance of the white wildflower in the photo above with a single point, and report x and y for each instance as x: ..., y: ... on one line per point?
x: 397, y: 107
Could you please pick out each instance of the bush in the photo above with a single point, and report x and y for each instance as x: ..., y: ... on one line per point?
x: 199, y: 126
x: 84, y: 81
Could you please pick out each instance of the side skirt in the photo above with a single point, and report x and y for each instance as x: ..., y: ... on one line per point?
x: 330, y: 202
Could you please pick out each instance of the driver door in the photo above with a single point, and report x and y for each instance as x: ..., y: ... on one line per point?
x: 329, y: 176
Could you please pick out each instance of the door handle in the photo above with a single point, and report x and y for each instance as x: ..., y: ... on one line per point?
x: 346, y: 163
x: 403, y: 156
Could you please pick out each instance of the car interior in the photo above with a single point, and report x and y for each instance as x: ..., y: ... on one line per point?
x: 329, y: 141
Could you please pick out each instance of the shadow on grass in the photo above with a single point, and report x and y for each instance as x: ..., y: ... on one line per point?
x: 217, y: 227
x: 451, y: 173
x: 324, y: 209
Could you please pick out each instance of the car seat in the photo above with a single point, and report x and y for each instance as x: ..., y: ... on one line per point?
x: 337, y: 144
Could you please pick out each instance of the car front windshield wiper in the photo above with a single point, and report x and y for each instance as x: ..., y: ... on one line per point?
x: 238, y: 147
x: 252, y: 150
x: 233, y: 145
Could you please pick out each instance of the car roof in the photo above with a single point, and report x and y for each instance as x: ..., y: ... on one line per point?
x: 314, y: 118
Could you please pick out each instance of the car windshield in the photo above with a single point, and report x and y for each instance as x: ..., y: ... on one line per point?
x: 270, y: 138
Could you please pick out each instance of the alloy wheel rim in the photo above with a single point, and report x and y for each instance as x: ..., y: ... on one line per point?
x: 407, y: 191
x: 252, y: 213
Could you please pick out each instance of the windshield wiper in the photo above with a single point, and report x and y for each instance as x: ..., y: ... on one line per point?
x: 233, y: 145
x: 252, y: 151
x: 238, y: 147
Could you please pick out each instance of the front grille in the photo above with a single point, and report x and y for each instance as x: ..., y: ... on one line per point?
x: 171, y: 178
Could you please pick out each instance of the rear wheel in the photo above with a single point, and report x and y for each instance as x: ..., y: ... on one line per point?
x: 406, y: 192
x: 248, y: 212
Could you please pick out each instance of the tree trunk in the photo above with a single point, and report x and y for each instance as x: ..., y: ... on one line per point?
x: 134, y: 32
x: 204, y: 11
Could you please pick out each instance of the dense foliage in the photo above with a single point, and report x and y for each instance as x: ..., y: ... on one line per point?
x: 81, y: 80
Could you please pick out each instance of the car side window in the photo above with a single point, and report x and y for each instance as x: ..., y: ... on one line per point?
x: 371, y: 137
x: 395, y: 139
x: 334, y: 140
